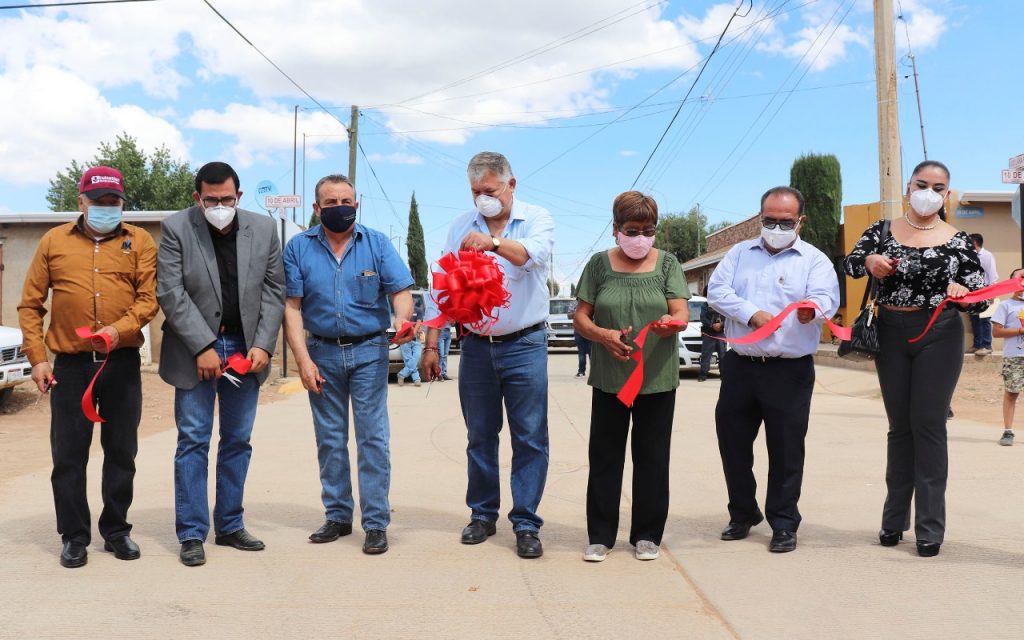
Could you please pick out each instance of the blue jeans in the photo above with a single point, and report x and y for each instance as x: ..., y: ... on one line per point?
x: 411, y: 352
x: 359, y: 372
x: 444, y: 342
x: 582, y: 350
x: 193, y: 413
x: 981, y: 328
x: 516, y: 372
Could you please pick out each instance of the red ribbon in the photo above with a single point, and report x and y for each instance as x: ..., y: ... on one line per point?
x: 469, y: 290
x: 627, y: 394
x: 768, y: 328
x: 88, y: 403
x: 407, y: 329
x: 985, y: 293
x: 239, y: 364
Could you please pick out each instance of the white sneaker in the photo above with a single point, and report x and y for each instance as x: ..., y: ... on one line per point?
x: 646, y: 550
x: 401, y: 381
x: 595, y: 553
x: 983, y: 352
x: 1007, y: 439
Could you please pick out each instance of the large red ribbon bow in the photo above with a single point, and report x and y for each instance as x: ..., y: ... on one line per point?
x: 469, y: 290
x: 1002, y: 288
x: 88, y: 402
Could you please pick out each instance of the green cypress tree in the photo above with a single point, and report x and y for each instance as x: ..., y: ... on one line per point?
x: 819, y: 179
x: 414, y: 242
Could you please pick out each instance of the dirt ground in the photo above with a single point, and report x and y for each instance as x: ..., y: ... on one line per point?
x: 25, y: 425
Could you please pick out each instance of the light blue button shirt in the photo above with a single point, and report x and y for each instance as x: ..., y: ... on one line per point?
x: 749, y: 279
x: 534, y: 228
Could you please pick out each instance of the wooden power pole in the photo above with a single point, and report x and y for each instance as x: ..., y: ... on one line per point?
x: 890, y: 173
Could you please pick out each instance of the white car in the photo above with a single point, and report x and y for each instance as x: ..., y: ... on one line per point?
x: 560, y: 329
x: 14, y: 366
x: 690, y: 338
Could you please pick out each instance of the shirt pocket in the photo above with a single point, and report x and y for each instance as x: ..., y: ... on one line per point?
x: 365, y: 289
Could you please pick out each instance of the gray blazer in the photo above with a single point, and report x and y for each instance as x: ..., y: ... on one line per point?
x: 188, y: 289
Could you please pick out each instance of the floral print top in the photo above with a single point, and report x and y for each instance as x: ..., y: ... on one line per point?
x: 923, y: 273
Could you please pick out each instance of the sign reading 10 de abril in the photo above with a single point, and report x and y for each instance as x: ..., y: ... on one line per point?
x: 1015, y: 174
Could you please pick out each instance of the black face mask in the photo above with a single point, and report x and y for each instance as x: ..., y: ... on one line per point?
x: 338, y: 219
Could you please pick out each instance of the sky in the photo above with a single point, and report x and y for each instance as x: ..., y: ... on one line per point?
x: 575, y: 94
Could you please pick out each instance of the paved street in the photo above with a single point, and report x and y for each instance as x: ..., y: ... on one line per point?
x: 838, y: 584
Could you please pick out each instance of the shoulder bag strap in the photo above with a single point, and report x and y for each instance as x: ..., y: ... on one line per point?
x: 871, y: 291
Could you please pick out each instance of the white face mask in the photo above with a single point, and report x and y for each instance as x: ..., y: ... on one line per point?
x: 219, y: 216
x: 489, y: 206
x: 925, y: 202
x: 778, y: 238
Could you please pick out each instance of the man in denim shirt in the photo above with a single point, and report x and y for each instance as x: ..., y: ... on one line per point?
x: 338, y: 274
x: 510, y: 362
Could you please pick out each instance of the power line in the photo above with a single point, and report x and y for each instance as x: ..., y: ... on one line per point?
x: 67, y: 4
x: 381, y: 187
x: 692, y: 85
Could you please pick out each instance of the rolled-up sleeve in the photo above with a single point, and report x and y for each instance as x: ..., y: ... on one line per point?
x: 394, y: 274
x: 538, y: 239
x: 294, y: 285
x: 823, y: 287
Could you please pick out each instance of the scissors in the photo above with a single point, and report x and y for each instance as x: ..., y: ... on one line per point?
x: 46, y: 389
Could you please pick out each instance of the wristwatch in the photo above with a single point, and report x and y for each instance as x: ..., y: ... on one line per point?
x: 497, y: 244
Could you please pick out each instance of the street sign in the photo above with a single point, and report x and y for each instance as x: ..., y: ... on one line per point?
x: 1013, y: 176
x: 263, y: 189
x: 1017, y: 162
x: 279, y: 202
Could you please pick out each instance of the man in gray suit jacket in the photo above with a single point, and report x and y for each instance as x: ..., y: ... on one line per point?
x: 220, y: 283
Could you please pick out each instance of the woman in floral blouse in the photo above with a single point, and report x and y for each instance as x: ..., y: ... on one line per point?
x: 919, y: 263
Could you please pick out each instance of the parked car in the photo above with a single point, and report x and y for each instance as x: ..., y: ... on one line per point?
x: 14, y: 366
x: 690, y: 338
x: 395, y: 362
x: 560, y: 331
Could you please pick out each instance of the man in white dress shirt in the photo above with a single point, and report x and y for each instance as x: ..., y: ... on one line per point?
x: 770, y: 380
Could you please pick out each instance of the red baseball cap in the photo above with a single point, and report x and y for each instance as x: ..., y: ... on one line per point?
x: 101, y: 181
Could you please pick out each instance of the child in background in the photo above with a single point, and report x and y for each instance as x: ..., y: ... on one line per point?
x: 1008, y: 324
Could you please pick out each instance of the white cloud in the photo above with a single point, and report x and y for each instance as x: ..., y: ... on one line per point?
x: 923, y: 25
x: 261, y: 130
x: 51, y: 116
x: 820, y: 44
x: 627, y: 153
x: 395, y: 158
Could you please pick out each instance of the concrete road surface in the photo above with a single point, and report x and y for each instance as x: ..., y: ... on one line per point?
x: 839, y: 583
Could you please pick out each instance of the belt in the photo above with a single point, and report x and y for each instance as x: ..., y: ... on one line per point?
x: 347, y: 340
x: 509, y: 337
x: 766, y: 358
x: 95, y: 356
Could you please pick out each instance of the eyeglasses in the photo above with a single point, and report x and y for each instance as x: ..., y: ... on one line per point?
x: 226, y: 201
x: 785, y: 225
x: 632, y: 233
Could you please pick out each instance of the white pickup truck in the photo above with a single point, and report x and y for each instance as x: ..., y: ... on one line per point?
x: 14, y: 366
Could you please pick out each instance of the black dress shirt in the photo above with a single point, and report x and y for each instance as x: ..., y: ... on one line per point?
x: 226, y: 249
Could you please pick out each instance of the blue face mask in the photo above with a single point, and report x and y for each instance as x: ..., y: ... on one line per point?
x: 338, y: 219
x: 103, y: 219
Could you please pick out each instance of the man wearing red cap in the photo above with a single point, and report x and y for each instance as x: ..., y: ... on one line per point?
x: 103, y: 276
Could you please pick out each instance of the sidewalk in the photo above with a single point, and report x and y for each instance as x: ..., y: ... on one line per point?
x: 838, y: 584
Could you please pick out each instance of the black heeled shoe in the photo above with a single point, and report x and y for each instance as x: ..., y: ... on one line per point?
x: 927, y: 549
x: 889, y: 537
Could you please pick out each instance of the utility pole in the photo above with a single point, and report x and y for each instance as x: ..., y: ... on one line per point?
x: 889, y: 170
x: 353, y: 144
x: 920, y: 113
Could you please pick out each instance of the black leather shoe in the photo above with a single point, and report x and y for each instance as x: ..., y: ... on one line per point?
x: 782, y: 541
x: 123, y: 548
x: 927, y: 549
x: 73, y: 555
x: 528, y: 544
x: 192, y: 554
x: 376, y: 542
x: 739, y: 530
x: 240, y: 539
x: 889, y: 537
x: 477, y: 531
x: 331, y: 531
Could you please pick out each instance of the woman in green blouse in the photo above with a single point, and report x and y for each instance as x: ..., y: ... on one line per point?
x: 621, y: 291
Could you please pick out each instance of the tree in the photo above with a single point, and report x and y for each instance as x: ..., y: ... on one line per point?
x: 152, y: 183
x: 682, y: 234
x: 553, y: 287
x: 819, y: 179
x: 572, y: 290
x: 416, y: 246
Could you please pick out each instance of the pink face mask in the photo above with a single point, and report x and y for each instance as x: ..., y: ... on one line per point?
x: 636, y: 247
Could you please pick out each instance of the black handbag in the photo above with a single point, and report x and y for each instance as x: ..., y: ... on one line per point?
x: 863, y: 345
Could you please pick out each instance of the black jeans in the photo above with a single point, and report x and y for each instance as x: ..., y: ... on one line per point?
x: 777, y: 392
x: 651, y: 442
x: 707, y: 347
x: 917, y: 382
x: 119, y: 394
x: 583, y: 349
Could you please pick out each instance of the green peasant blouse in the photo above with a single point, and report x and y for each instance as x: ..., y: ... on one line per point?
x: 622, y: 300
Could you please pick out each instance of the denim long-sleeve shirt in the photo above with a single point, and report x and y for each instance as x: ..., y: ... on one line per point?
x: 749, y: 279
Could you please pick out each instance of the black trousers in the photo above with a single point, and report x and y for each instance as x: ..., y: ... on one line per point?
x: 707, y: 347
x: 778, y: 393
x: 119, y: 394
x: 652, y: 438
x: 917, y: 382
